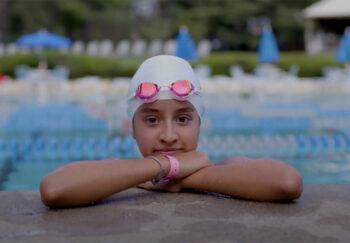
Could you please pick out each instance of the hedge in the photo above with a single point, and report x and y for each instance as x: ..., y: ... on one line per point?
x: 110, y: 67
x: 78, y: 65
x: 309, y: 65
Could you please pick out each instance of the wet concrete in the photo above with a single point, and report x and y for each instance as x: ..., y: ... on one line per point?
x: 322, y: 214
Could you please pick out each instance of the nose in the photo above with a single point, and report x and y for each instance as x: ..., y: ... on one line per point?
x: 169, y: 134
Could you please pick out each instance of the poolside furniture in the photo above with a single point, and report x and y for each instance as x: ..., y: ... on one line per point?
x: 123, y: 48
x: 203, y: 48
x: 24, y: 50
x: 238, y: 74
x: 106, y: 48
x: 21, y: 71
x: 236, y: 71
x: 61, y: 72
x: 92, y: 48
x: 169, y: 47
x: 267, y: 70
x: 2, y: 49
x: 138, y: 48
x: 155, y: 47
x: 77, y: 47
x: 202, y: 71
x: 11, y: 49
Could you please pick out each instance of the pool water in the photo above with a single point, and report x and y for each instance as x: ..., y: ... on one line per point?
x: 317, y: 169
x: 309, y: 132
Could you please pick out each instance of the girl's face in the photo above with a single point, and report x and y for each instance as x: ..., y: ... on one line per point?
x: 167, y: 127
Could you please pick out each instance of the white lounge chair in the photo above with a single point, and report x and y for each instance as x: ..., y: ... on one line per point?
x: 11, y: 48
x: 203, y: 48
x: 138, y: 48
x: 169, y: 47
x: 77, y: 47
x: 106, y: 48
x: 2, y: 51
x: 155, y: 48
x: 202, y: 71
x: 92, y: 48
x: 123, y: 48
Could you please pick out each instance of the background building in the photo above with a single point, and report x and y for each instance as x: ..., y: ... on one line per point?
x: 325, y: 22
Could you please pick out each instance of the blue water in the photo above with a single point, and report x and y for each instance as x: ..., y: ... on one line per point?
x: 311, y: 133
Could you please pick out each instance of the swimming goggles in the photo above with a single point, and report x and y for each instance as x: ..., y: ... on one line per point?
x: 147, y: 92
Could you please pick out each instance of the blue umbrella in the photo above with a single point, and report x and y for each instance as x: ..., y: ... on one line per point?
x: 267, y: 49
x: 43, y: 39
x: 185, y: 47
x: 343, y: 52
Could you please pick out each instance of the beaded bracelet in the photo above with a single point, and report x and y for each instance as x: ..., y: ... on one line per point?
x: 161, y: 172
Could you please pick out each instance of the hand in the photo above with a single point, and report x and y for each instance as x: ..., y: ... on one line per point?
x: 190, y: 162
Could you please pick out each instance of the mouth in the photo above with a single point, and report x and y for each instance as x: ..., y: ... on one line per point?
x: 168, y: 151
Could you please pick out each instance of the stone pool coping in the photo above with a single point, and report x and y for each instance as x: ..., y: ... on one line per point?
x: 322, y: 214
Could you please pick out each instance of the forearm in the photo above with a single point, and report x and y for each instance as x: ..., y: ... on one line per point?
x: 262, y: 180
x: 85, y: 182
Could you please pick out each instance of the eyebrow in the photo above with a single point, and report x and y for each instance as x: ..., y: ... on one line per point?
x: 153, y: 110
x: 148, y: 110
x: 186, y: 109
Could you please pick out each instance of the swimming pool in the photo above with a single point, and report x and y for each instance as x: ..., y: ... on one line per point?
x: 310, y: 132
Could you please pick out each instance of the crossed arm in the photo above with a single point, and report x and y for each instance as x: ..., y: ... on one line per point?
x: 85, y: 182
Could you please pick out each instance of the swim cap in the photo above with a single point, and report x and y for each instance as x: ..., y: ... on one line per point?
x: 164, y: 70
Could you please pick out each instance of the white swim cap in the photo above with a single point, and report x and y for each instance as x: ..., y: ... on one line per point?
x: 164, y: 70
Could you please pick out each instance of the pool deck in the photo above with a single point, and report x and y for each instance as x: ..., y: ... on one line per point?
x: 322, y: 214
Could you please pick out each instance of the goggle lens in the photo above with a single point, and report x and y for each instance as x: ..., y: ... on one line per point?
x: 182, y: 88
x: 147, y: 90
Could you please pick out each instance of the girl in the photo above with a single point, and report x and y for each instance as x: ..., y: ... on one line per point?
x: 165, y: 107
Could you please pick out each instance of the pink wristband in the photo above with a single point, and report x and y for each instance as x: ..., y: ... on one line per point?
x: 174, y: 168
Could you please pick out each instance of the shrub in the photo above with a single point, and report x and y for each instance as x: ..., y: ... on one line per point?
x: 110, y: 67
x: 78, y: 65
x: 309, y: 65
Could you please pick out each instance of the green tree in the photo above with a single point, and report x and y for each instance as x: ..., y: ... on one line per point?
x: 114, y: 19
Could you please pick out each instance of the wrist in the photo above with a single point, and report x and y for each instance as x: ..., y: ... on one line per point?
x: 163, y: 169
x: 174, y: 168
x: 168, y: 168
x: 164, y: 162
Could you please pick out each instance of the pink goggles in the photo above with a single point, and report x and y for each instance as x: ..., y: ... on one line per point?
x: 147, y: 92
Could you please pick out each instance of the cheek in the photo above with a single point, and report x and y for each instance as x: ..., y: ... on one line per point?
x: 144, y: 139
x: 190, y: 137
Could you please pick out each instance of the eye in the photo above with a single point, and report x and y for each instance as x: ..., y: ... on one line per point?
x: 151, y: 120
x: 183, y: 119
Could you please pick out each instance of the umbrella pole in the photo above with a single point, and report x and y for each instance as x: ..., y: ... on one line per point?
x: 43, y: 88
x: 42, y: 60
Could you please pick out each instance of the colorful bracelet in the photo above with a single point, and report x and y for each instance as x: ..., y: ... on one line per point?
x: 174, y: 168
x: 161, y: 172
